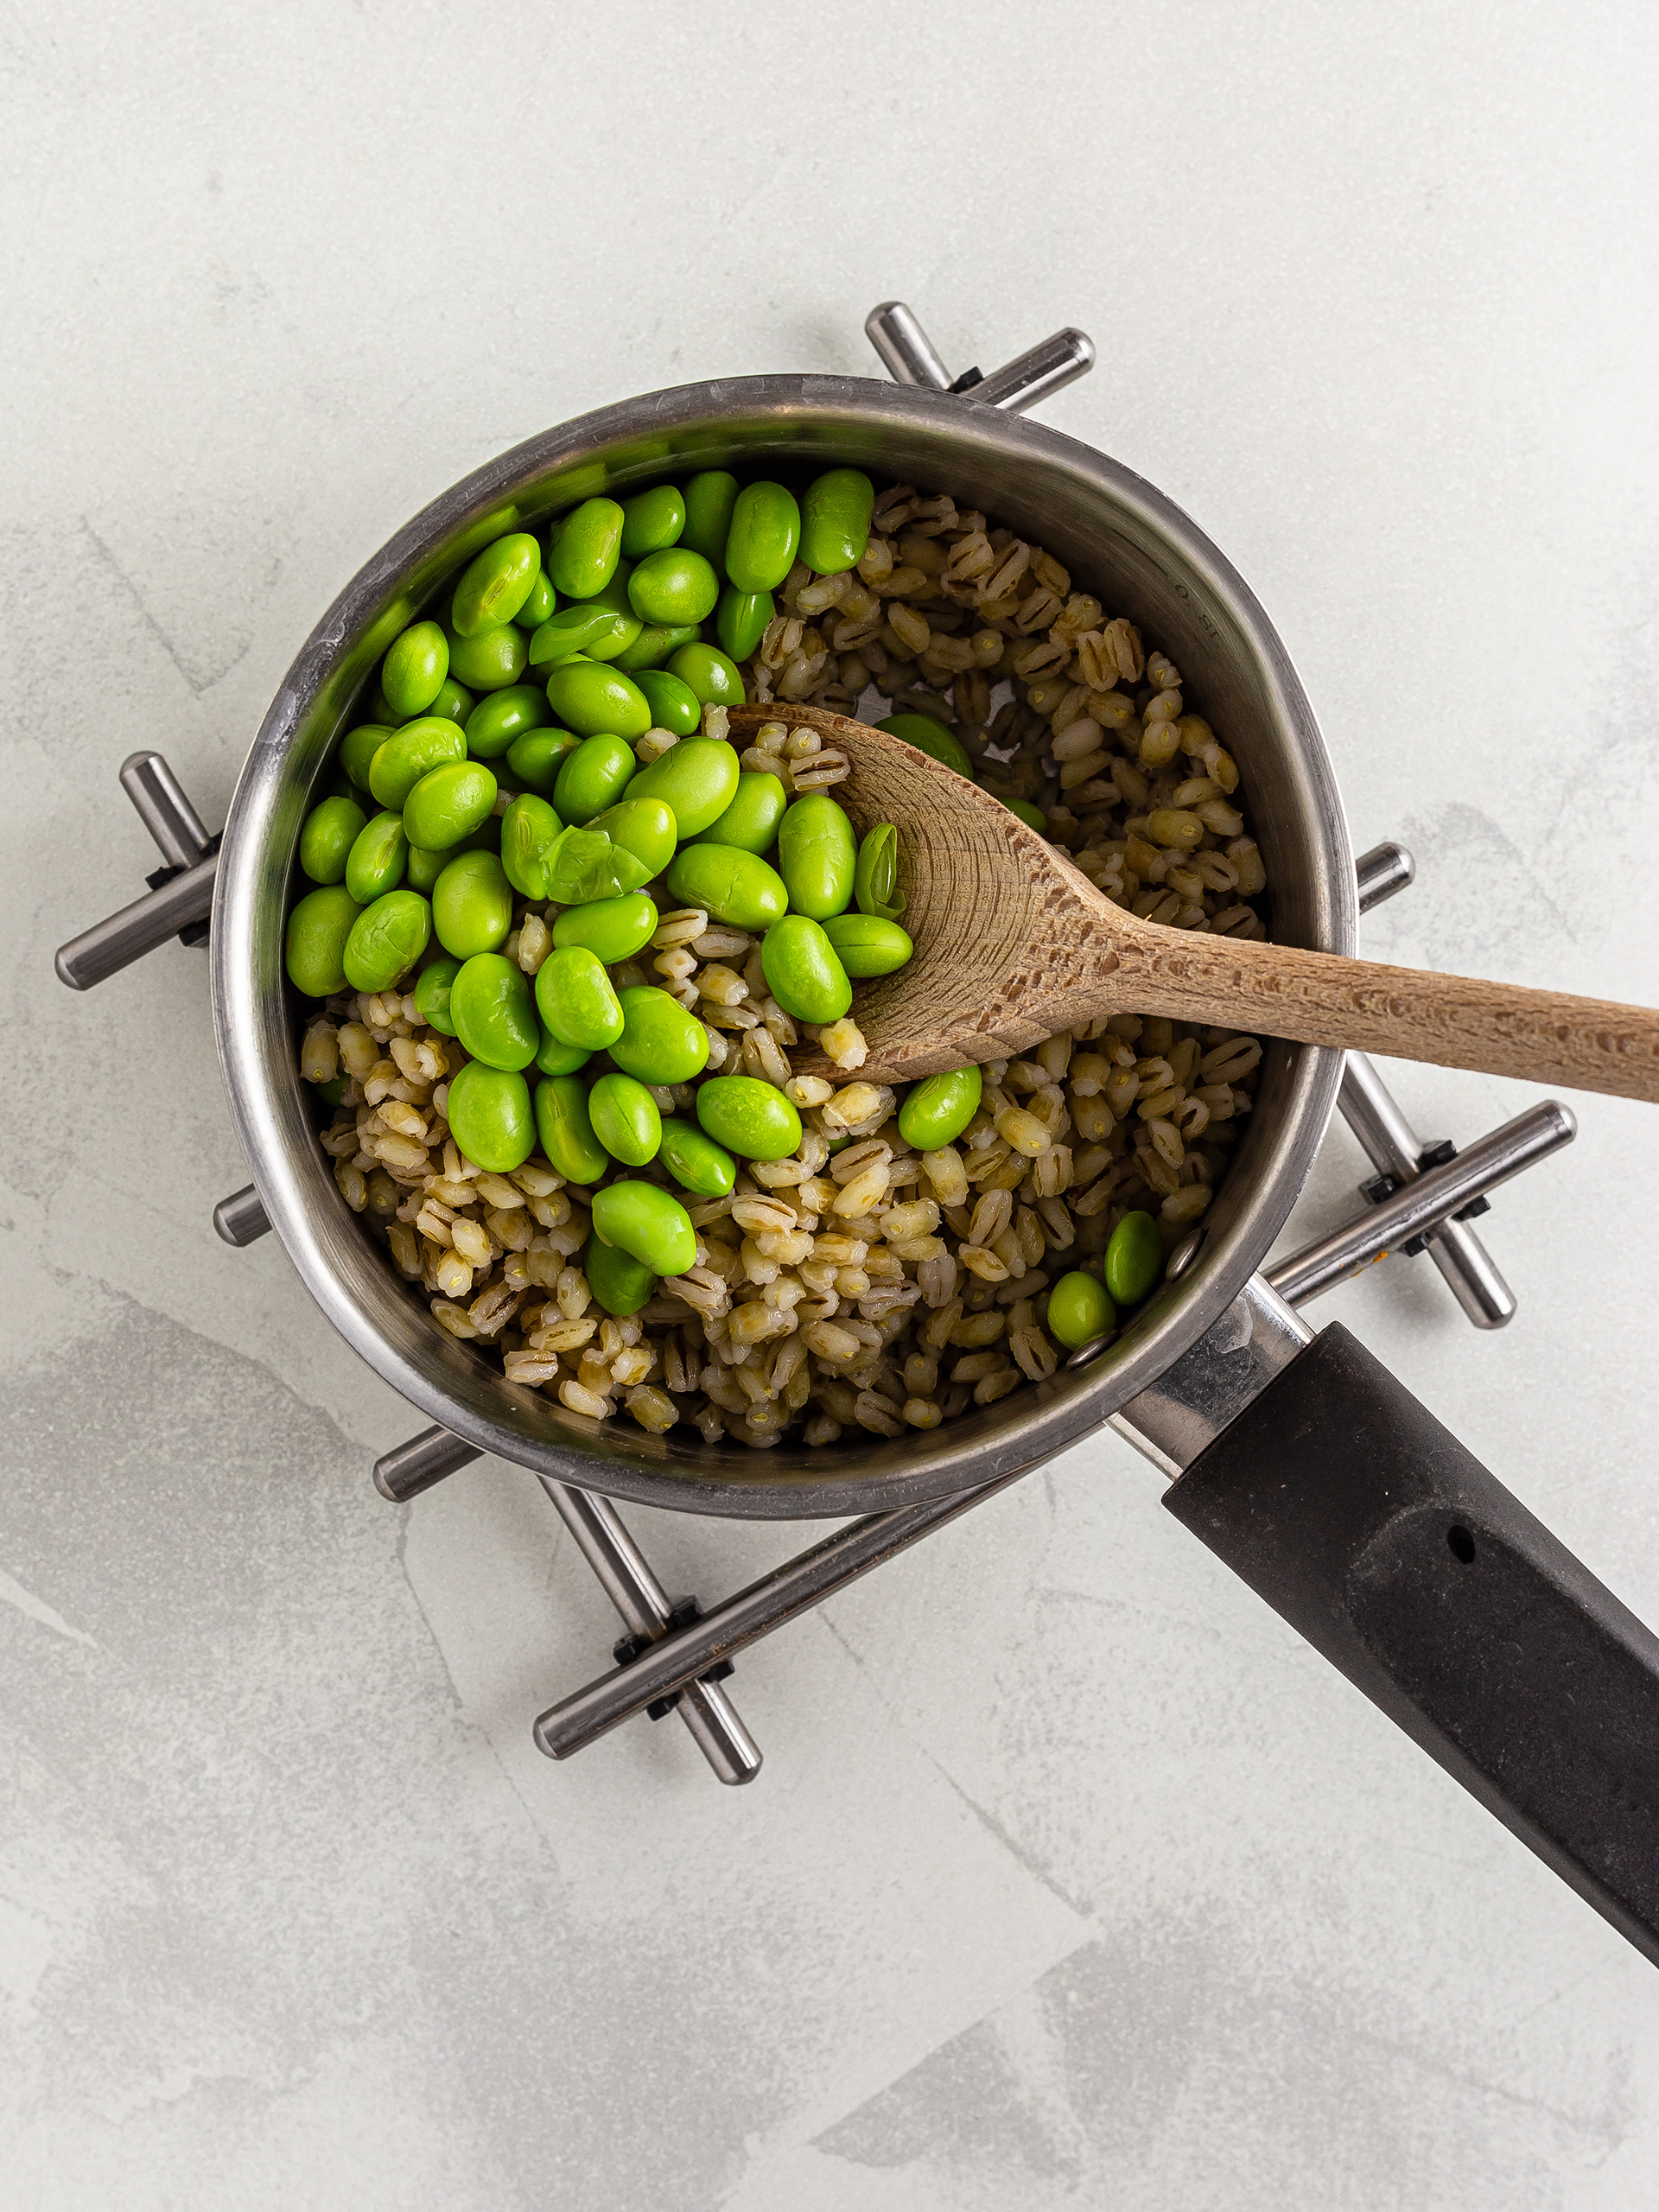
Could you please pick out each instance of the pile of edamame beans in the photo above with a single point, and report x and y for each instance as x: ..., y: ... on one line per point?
x: 623, y: 590
x: 542, y: 797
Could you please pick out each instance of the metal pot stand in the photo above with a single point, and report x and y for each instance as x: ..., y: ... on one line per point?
x: 1367, y: 1571
x: 674, y: 1656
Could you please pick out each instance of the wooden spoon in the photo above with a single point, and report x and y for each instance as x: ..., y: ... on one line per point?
x: 1013, y: 942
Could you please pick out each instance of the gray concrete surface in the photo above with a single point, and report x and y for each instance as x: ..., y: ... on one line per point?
x: 1073, y: 1879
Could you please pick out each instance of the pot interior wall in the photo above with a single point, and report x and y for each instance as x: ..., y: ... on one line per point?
x: 1120, y: 540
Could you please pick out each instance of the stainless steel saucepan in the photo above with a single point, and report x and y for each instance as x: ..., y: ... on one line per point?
x: 1298, y: 1459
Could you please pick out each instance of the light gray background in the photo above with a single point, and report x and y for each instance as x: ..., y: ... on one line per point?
x: 1072, y: 1879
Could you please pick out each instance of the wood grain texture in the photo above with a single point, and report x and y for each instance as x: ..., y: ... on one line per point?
x: 1012, y: 944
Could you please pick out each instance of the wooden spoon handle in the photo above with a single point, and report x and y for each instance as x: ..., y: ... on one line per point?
x: 1409, y: 1013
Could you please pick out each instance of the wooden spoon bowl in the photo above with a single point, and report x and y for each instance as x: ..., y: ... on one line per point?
x: 1014, y: 942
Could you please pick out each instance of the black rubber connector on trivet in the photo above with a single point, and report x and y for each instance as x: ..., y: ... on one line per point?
x: 1367, y: 1525
x: 682, y: 1613
x: 192, y: 932
x: 1432, y: 1155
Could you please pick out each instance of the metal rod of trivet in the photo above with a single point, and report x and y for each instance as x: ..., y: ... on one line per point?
x: 241, y: 1219
x: 1394, y: 1147
x: 181, y: 835
x: 111, y: 945
x: 908, y: 353
x: 601, y: 1537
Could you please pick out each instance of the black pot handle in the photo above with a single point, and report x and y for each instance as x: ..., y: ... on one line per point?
x: 1345, y: 1504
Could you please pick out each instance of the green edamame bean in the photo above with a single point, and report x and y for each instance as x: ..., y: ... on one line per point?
x: 624, y: 849
x: 529, y: 829
x: 490, y: 659
x: 314, y: 946
x: 661, y: 1043
x: 817, y: 857
x: 1079, y: 1310
x: 413, y: 671
x: 377, y: 859
x: 712, y: 675
x: 614, y: 595
x: 1033, y: 816
x: 733, y: 885
x: 802, y: 970
x: 586, y: 549
x: 749, y: 1117
x: 625, y: 1120
x: 653, y: 645
x: 575, y: 1000
x: 358, y: 747
x: 592, y: 778
x: 564, y: 636
x: 613, y: 929
x: 875, y: 880
x: 427, y: 864
x: 585, y: 631
x: 536, y: 756
x: 939, y: 1109
x: 490, y: 1117
x: 932, y: 737
x: 644, y: 830
x: 409, y: 753
x: 751, y: 821
x: 649, y: 1223
x: 539, y: 603
x: 501, y: 717
x: 674, y: 586
x: 326, y: 841
x: 380, y: 710
x: 449, y: 804
x: 494, y: 1014
x: 472, y: 904
x: 742, y: 620
x: 652, y: 520
x: 432, y: 989
x: 1135, y: 1259
x: 866, y: 945
x: 764, y: 532
x: 695, y: 1161
x: 333, y: 1091
x: 674, y: 705
x: 709, y: 498
x: 494, y: 587
x: 453, y: 702
x: 621, y: 1284
x: 836, y: 521
x: 554, y: 1058
x: 697, y: 778
x: 567, y: 1134
x: 387, y: 938
x: 590, y: 698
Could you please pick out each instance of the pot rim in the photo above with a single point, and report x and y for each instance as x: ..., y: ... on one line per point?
x: 635, y: 437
